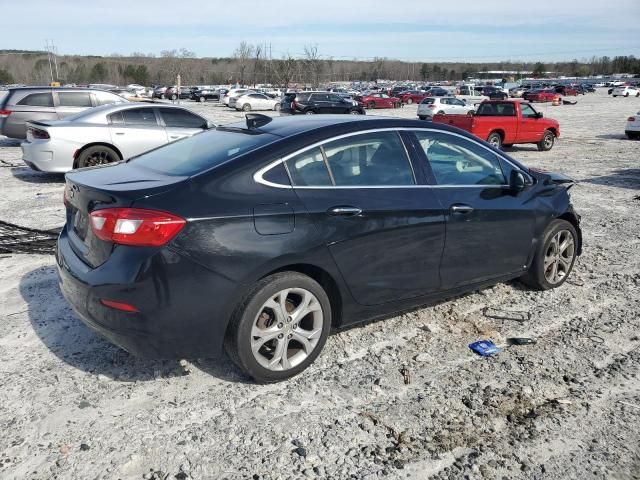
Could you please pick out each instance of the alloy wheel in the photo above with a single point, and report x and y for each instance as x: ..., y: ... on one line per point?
x: 559, y: 257
x: 286, y: 329
x: 99, y: 158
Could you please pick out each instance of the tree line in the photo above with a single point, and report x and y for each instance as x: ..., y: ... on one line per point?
x: 251, y: 64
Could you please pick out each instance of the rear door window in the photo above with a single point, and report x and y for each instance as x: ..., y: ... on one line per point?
x: 457, y: 161
x: 44, y: 99
x: 140, y: 116
x: 369, y: 159
x: 176, y: 117
x: 74, y: 99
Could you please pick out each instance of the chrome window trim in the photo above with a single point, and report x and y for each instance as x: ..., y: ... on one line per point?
x: 258, y: 175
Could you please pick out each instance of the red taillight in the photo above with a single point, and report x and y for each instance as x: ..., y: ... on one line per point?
x: 631, y: 119
x: 135, y: 226
x: 5, y: 113
x: 38, y: 134
x: 125, y: 307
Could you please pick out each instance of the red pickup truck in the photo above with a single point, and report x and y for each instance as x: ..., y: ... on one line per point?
x: 506, y: 122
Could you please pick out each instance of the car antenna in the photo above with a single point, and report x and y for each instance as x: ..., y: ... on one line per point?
x: 256, y: 120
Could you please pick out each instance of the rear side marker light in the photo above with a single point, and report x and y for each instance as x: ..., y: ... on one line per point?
x: 124, y: 307
x: 135, y: 226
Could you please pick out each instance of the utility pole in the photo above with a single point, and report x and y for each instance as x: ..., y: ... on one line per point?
x: 46, y: 46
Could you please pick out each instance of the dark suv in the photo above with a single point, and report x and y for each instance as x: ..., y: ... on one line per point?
x: 310, y: 103
x: 494, y: 93
x: 47, y: 103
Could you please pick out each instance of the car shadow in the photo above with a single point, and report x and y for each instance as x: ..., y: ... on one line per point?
x: 623, y: 178
x: 26, y: 174
x: 520, y: 148
x: 72, y: 341
x: 612, y: 136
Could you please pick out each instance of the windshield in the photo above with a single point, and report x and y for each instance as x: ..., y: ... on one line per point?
x: 202, y: 151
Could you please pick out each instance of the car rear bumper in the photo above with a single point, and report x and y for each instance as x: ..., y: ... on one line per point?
x: 41, y: 156
x: 183, y: 308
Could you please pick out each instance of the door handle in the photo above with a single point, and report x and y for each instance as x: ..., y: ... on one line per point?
x: 461, y: 208
x: 344, y: 211
x: 119, y: 133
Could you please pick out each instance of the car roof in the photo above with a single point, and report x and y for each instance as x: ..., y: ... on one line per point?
x: 45, y: 87
x: 300, y: 124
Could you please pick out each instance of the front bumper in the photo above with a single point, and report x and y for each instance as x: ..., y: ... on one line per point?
x: 183, y: 307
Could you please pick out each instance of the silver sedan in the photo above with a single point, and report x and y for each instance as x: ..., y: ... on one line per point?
x: 106, y: 134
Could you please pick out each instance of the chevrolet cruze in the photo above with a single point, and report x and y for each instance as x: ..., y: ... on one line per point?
x: 257, y: 238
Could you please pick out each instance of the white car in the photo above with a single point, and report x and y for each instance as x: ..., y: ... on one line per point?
x: 632, y: 130
x: 431, y: 106
x: 625, y: 92
x: 106, y: 134
x: 256, y: 101
x: 234, y: 93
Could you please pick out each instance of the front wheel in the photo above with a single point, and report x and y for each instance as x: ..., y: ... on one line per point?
x: 626, y: 94
x: 547, y: 141
x: 280, y: 328
x: 202, y: 99
x: 371, y: 105
x: 174, y: 97
x: 276, y: 107
x: 554, y: 257
x: 409, y: 101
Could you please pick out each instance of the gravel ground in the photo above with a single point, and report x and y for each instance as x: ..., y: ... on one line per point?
x: 72, y: 406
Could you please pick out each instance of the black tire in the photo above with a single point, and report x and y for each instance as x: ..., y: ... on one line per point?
x: 495, y: 139
x: 202, y: 99
x: 626, y: 94
x: 97, y: 155
x: 422, y: 117
x: 471, y: 113
x: 371, y: 105
x: 174, y: 97
x: 546, y: 144
x: 535, y: 276
x: 309, y: 112
x: 238, y: 337
x: 246, y: 107
x: 276, y: 107
x: 441, y: 112
x: 409, y: 101
x: 638, y: 94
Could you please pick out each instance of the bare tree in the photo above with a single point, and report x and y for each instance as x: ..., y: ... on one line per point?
x: 284, y: 70
x: 242, y: 55
x: 174, y: 62
x: 313, y: 63
x: 256, y: 62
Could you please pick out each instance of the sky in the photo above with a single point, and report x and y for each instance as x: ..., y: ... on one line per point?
x: 412, y: 30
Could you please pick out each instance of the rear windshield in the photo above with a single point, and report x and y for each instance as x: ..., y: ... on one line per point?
x: 202, y: 151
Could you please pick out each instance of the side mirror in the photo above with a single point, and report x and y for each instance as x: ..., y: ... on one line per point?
x: 209, y: 125
x: 517, y: 182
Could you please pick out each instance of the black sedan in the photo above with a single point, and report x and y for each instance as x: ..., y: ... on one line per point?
x: 257, y: 238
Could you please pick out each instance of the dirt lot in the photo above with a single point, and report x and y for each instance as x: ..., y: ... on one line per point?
x: 72, y: 406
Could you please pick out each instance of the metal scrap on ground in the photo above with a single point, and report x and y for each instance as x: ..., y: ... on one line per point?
x: 17, y: 239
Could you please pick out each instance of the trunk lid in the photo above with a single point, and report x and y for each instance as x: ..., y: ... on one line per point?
x: 118, y: 185
x: 464, y: 122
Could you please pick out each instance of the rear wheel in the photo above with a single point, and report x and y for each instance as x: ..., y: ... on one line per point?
x: 554, y: 256
x: 626, y: 94
x: 280, y: 328
x: 246, y: 107
x: 409, y: 101
x: 174, y: 97
x: 495, y: 139
x: 441, y: 112
x: 309, y: 112
x: 98, y: 155
x: 371, y: 105
x: 202, y: 99
x: 354, y: 112
x: 422, y: 117
x: 276, y: 107
x: 471, y: 113
x: 547, y: 141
